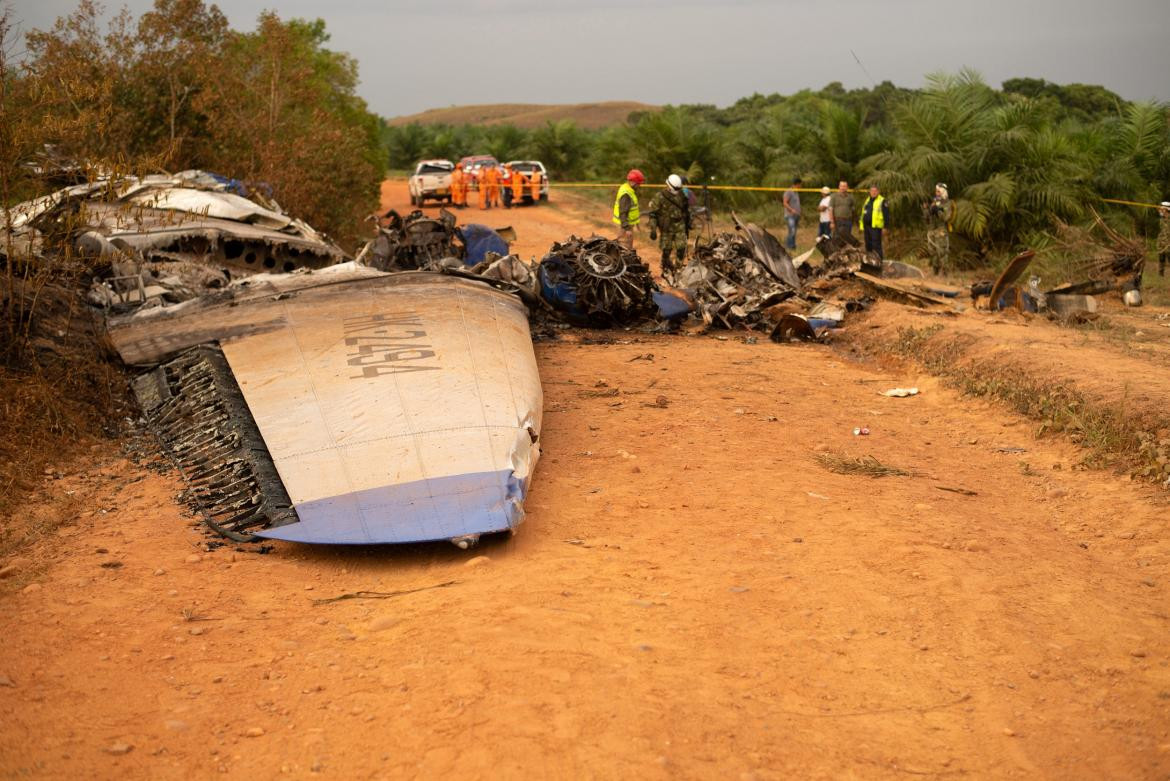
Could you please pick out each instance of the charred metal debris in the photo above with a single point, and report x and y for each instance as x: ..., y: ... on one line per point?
x: 196, y: 410
x: 597, y: 282
x: 164, y: 239
x: 747, y: 280
x: 415, y: 242
x: 1100, y: 258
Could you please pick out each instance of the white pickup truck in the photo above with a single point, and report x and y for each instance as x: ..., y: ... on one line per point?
x: 431, y: 179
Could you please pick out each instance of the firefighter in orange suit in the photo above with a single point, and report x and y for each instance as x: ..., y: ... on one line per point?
x: 458, y: 187
x: 518, y: 182
x: 489, y: 187
x: 534, y: 180
x: 493, y: 182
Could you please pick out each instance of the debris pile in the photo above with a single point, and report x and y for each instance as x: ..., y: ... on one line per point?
x: 597, y: 282
x: 1105, y: 261
x: 844, y: 253
x: 166, y: 237
x: 1102, y: 259
x: 747, y: 280
x: 416, y: 242
x: 730, y: 288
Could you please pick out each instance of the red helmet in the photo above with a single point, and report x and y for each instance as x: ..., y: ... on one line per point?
x: 635, y: 176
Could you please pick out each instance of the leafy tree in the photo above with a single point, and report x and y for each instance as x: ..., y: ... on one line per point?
x: 504, y: 142
x: 405, y: 145
x: 671, y: 141
x: 177, y: 88
x: 175, y: 46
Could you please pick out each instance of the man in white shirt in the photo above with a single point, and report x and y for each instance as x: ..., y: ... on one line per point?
x: 826, y: 226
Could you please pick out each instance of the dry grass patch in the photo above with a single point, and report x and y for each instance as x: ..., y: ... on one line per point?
x: 864, y: 465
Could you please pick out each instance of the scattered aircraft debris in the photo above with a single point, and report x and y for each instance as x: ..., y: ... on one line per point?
x: 597, y: 282
x: 166, y: 238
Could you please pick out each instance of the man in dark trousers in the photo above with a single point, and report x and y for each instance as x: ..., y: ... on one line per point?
x: 626, y: 213
x: 670, y: 222
x: 792, y: 212
x: 875, y: 215
x: 841, y: 210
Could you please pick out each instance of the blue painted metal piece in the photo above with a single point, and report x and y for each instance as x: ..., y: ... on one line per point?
x: 557, y: 287
x: 669, y: 305
x: 480, y: 240
x: 421, y: 511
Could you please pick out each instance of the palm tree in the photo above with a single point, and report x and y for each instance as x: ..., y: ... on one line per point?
x: 562, y: 147
x: 1008, y: 169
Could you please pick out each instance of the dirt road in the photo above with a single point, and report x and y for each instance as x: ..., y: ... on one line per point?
x: 692, y: 595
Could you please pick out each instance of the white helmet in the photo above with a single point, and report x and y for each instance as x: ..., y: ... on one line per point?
x: 674, y: 182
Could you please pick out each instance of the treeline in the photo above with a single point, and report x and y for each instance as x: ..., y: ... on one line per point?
x: 177, y: 88
x: 1015, y: 159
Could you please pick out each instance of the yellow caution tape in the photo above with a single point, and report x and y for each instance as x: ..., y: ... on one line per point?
x: 732, y: 187
x: 696, y: 187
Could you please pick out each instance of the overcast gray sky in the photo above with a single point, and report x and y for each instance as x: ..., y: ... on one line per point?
x: 415, y: 54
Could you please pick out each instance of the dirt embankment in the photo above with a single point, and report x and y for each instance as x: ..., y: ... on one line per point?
x: 692, y: 595
x: 1104, y: 384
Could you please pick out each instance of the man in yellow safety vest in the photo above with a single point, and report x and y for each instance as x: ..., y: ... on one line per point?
x: 875, y: 213
x: 625, y: 208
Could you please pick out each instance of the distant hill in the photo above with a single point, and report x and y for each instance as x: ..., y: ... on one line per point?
x: 528, y: 115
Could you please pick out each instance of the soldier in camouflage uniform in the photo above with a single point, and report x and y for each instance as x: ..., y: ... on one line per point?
x: 1163, y: 245
x: 938, y: 236
x: 670, y: 222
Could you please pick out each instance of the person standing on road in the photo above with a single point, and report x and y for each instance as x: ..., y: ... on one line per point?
x: 825, y: 228
x: 481, y: 186
x: 939, y: 213
x: 519, y: 180
x: 458, y: 187
x: 493, y: 181
x: 875, y: 215
x: 670, y: 222
x: 792, y: 211
x: 1163, y: 244
x: 505, y: 177
x: 625, y: 208
x: 841, y: 211
x: 489, y: 186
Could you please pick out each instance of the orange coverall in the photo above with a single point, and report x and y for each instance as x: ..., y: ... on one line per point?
x: 492, y: 178
x: 535, y: 180
x: 458, y: 187
x: 481, y: 178
x: 518, y: 182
